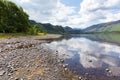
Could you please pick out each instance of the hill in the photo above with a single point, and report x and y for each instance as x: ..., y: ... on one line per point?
x: 70, y: 30
x: 55, y: 29
x: 13, y: 19
x: 48, y: 28
x: 104, y: 27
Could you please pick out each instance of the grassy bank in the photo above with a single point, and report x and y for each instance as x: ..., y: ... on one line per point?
x: 15, y: 35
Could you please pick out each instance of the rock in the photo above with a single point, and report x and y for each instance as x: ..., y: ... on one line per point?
x: 58, y: 61
x: 2, y: 72
x: 7, y: 42
x: 62, y: 61
x: 80, y: 78
x: 8, y: 46
x: 16, y: 78
x: 66, y: 69
x: 0, y: 50
x: 109, y: 72
x: 90, y: 60
x: 21, y: 79
x: 64, y: 66
x: 56, y: 52
x: 9, y: 74
x: 56, y: 70
x: 47, y: 69
x: 107, y: 69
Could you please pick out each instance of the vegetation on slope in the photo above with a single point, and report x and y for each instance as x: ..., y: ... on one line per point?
x: 14, y: 20
x: 105, y: 27
x: 48, y: 28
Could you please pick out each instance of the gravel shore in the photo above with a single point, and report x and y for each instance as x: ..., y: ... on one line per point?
x: 25, y: 59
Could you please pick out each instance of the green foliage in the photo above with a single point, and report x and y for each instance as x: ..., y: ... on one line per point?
x: 41, y: 27
x: 33, y: 30
x: 12, y: 18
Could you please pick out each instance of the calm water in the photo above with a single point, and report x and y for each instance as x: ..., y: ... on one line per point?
x: 91, y: 54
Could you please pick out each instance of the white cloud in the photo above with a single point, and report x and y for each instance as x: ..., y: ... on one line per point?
x: 46, y: 11
x: 88, y: 50
x: 61, y: 14
x: 53, y: 11
x: 98, y: 11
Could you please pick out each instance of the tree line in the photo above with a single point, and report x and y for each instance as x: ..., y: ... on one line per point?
x: 13, y: 19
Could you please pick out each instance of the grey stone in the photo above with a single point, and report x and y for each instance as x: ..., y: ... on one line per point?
x: 2, y: 72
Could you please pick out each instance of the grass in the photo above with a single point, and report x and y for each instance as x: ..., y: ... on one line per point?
x: 41, y: 34
x: 15, y: 35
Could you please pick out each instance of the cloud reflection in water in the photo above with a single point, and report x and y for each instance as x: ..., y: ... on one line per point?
x: 98, y: 53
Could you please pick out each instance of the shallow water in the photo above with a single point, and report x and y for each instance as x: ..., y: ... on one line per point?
x: 90, y: 55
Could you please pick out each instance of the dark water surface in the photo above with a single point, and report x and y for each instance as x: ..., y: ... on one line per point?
x: 97, y: 55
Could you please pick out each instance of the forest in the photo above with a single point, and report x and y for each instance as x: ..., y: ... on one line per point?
x: 13, y: 19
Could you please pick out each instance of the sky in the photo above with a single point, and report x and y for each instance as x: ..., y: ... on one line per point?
x: 73, y: 13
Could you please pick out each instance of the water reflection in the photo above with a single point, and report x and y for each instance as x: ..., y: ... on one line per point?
x: 84, y: 54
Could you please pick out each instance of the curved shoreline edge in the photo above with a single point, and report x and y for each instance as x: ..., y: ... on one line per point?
x: 25, y: 59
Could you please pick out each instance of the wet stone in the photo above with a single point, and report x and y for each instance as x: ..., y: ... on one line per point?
x: 107, y: 70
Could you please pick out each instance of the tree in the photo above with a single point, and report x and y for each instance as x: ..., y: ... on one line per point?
x: 12, y: 18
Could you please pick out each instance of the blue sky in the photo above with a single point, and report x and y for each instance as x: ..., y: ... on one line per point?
x: 75, y: 3
x: 73, y: 13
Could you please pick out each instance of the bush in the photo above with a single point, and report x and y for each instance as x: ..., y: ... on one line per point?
x: 33, y: 30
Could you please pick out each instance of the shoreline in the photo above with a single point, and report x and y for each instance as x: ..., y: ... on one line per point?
x: 25, y: 59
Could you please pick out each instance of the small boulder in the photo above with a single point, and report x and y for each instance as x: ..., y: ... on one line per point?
x: 2, y: 72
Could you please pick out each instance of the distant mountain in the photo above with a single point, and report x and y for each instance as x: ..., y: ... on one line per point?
x: 72, y: 30
x: 104, y: 27
x: 67, y: 28
x: 49, y: 28
x: 55, y: 29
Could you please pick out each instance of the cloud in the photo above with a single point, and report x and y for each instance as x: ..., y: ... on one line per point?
x: 87, y: 50
x: 46, y: 11
x: 98, y: 11
x: 58, y: 13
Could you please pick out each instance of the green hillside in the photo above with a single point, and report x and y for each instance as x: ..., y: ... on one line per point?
x: 55, y: 29
x: 104, y: 27
x: 48, y: 28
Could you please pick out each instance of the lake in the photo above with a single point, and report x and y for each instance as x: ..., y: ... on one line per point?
x: 96, y: 55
